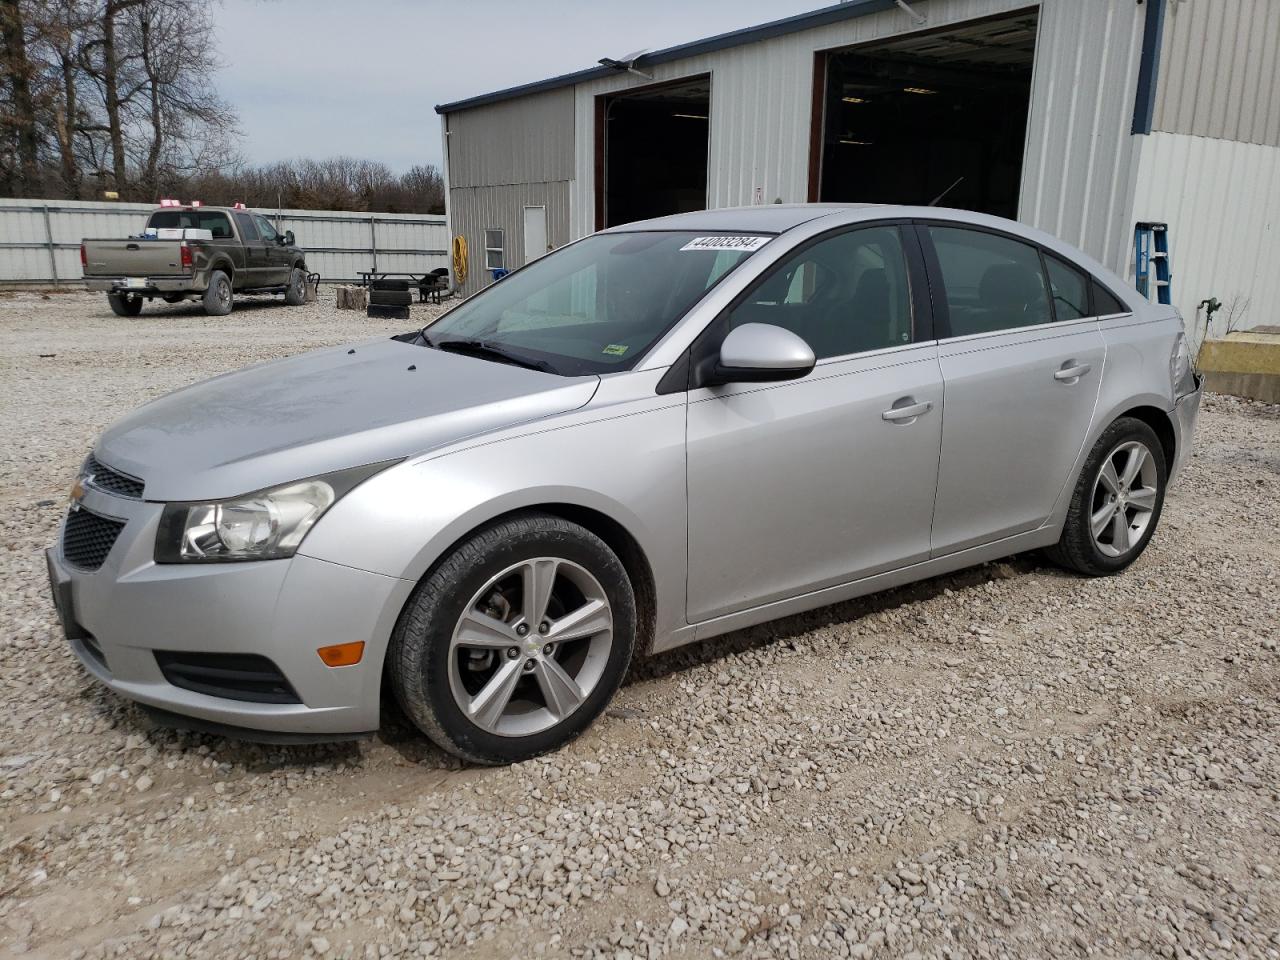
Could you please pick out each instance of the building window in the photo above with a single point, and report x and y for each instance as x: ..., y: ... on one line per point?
x: 494, y: 257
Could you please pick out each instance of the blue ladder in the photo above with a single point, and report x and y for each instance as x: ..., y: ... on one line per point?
x: 1151, y: 255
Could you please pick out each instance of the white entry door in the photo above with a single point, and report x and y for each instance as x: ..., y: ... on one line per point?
x: 535, y: 233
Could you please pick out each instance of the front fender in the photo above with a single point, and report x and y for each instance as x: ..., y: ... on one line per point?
x: 629, y: 468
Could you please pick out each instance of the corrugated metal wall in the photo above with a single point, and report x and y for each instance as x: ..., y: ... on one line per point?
x: 515, y: 141
x: 761, y: 104
x: 1081, y: 160
x: 1220, y: 70
x: 337, y: 243
x: 1221, y: 199
x: 502, y: 158
x: 1079, y: 165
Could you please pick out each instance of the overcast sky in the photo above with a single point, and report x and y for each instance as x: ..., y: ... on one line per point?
x: 317, y: 78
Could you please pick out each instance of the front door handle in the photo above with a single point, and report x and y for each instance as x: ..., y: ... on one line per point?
x: 908, y: 412
x: 1071, y: 371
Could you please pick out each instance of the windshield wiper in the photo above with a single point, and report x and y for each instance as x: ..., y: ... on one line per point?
x: 484, y: 348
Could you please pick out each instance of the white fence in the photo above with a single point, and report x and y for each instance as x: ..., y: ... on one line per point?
x: 40, y: 239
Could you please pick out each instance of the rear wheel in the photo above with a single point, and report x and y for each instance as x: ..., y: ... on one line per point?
x: 295, y: 295
x: 1117, y: 501
x: 218, y: 298
x: 123, y: 305
x: 516, y: 643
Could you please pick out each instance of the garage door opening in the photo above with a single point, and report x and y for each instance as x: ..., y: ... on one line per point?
x: 927, y: 116
x: 651, y: 149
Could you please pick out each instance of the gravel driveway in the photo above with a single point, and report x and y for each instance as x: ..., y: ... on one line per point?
x: 1011, y: 761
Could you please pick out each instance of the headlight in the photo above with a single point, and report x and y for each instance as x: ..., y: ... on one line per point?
x: 1181, y: 373
x: 267, y: 525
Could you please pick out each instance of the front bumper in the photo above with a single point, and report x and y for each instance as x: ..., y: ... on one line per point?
x: 1185, y: 414
x: 118, y: 616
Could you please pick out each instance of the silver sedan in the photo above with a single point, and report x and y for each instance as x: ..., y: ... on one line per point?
x: 654, y: 435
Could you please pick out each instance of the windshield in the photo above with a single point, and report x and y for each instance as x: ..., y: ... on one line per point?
x: 598, y: 305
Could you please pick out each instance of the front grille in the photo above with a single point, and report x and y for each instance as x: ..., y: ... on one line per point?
x: 99, y: 475
x: 235, y: 676
x: 87, y: 538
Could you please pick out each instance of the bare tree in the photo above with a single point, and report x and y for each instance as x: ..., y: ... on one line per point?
x: 19, y: 116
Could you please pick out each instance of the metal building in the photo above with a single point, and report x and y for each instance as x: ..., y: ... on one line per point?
x: 1081, y: 117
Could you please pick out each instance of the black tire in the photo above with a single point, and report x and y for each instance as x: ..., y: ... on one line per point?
x: 391, y: 298
x: 220, y: 296
x: 389, y: 285
x: 295, y: 294
x: 418, y: 659
x: 384, y: 312
x: 124, y: 306
x: 1077, y: 549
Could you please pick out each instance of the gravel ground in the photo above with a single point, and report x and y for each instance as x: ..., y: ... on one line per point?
x: 1009, y: 762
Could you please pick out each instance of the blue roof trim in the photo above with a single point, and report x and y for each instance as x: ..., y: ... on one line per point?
x: 1144, y: 104
x: 735, y: 38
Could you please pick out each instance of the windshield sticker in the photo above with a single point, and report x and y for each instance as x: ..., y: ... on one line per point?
x: 615, y: 349
x: 726, y: 242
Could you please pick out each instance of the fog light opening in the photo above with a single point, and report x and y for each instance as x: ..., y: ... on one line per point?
x: 342, y: 654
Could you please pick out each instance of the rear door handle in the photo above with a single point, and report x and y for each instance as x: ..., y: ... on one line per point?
x: 1072, y: 371
x: 132, y: 246
x: 908, y: 412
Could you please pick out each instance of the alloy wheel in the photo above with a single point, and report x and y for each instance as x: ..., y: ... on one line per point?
x: 1124, y: 498
x: 530, y: 647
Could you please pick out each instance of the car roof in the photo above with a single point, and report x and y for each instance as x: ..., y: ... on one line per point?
x: 782, y: 217
x: 768, y: 218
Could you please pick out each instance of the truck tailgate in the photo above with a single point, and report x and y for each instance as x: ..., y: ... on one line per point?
x: 132, y: 258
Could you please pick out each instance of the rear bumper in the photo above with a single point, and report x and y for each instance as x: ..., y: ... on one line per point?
x: 153, y: 285
x: 1185, y: 414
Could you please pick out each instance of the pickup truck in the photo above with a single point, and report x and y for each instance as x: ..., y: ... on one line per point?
x: 196, y: 253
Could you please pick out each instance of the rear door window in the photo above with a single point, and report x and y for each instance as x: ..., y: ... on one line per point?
x: 248, y: 232
x: 991, y: 282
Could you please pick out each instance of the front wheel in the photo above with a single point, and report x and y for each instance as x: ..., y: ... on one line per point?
x: 123, y: 305
x: 295, y: 295
x: 1117, y: 501
x: 516, y: 642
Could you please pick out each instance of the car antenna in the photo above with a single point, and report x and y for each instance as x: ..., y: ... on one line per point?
x: 934, y: 201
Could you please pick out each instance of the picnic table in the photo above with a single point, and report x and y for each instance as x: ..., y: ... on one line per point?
x: 430, y: 283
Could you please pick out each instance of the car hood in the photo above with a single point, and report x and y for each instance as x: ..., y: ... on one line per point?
x: 324, y: 411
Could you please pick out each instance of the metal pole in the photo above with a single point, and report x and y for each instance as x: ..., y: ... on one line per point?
x: 373, y: 242
x: 48, y: 235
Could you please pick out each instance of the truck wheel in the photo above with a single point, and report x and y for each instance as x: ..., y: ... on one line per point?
x: 217, y: 299
x: 295, y: 295
x: 124, y: 306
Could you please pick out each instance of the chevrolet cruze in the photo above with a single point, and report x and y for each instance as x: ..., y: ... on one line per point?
x: 654, y: 435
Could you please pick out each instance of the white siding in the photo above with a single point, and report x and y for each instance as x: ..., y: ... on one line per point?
x: 1221, y: 199
x: 337, y: 243
x: 761, y: 104
x: 1220, y: 70
x: 1079, y: 163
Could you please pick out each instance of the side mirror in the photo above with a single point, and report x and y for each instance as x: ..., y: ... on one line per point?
x: 287, y: 239
x: 762, y: 352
